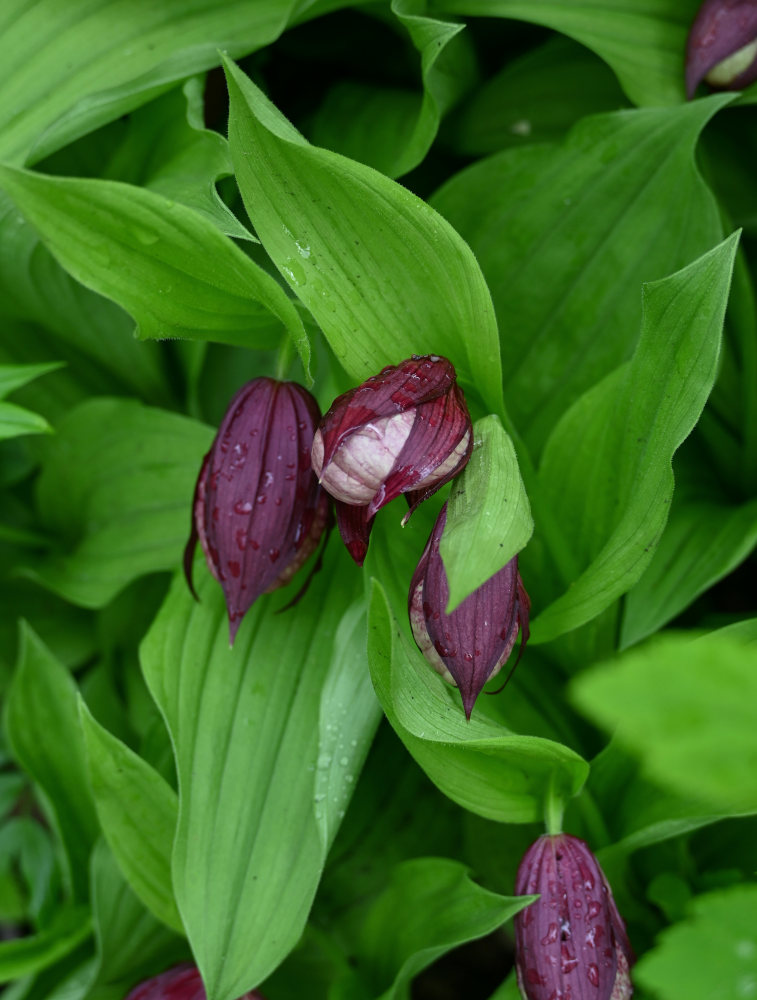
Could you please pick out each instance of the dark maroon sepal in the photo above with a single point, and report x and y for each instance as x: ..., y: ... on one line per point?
x: 355, y: 528
x: 571, y: 942
x: 395, y: 389
x: 258, y: 509
x: 479, y: 635
x: 720, y: 29
x: 182, y: 982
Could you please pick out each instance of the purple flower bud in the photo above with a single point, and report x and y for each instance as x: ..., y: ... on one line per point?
x: 722, y: 45
x: 405, y: 430
x: 571, y: 942
x: 258, y: 509
x: 183, y: 982
x: 472, y: 644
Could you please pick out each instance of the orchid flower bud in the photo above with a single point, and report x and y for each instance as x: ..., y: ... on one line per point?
x: 571, y: 942
x: 722, y: 45
x: 471, y: 645
x: 183, y: 982
x: 405, y: 430
x: 258, y: 509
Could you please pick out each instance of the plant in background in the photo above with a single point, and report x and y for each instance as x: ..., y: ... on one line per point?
x: 270, y: 194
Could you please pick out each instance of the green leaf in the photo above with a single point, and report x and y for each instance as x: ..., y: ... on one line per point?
x: 607, y: 466
x: 392, y: 130
x: 478, y: 764
x: 164, y: 263
x: 43, y: 731
x: 14, y: 376
x: 131, y: 943
x: 126, y: 511
x: 696, y: 734
x: 702, y: 542
x: 488, y: 515
x: 565, y: 237
x: 246, y: 724
x: 642, y: 40
x: 15, y: 420
x: 167, y: 149
x: 535, y: 98
x: 137, y: 810
x: 383, y: 274
x: 69, y: 68
x: 28, y: 955
x: 713, y: 953
x: 429, y: 907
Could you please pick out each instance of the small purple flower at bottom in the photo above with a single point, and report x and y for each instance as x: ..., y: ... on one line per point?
x: 471, y: 645
x: 722, y: 45
x: 183, y: 982
x: 571, y: 943
x: 406, y: 430
x: 258, y: 510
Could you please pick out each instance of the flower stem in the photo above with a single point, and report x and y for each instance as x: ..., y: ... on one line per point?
x: 554, y: 807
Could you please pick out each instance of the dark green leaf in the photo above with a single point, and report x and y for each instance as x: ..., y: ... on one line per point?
x: 137, y: 810
x: 31, y: 954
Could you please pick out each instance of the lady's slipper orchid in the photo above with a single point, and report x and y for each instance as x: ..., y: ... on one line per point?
x: 722, y: 45
x: 571, y: 942
x: 405, y: 430
x: 470, y: 645
x: 183, y: 982
x: 258, y: 509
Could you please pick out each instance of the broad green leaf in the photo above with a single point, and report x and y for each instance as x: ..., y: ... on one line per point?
x: 488, y: 515
x: 392, y: 130
x: 26, y: 846
x: 70, y: 323
x: 684, y: 707
x: 642, y: 40
x: 164, y: 263
x: 69, y: 67
x: 429, y: 907
x: 607, y: 466
x: 43, y: 731
x: 702, y: 542
x: 382, y: 273
x: 15, y: 420
x: 28, y: 955
x: 536, y: 98
x: 167, y: 149
x: 116, y: 488
x: 246, y: 724
x: 137, y: 811
x: 479, y: 764
x: 14, y: 376
x: 566, y: 236
x: 712, y: 954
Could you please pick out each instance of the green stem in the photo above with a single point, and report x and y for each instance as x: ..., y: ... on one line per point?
x: 554, y: 807
x: 284, y: 357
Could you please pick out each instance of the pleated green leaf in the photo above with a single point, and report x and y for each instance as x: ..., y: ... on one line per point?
x: 137, y: 810
x: 167, y: 265
x: 257, y: 730
x: 383, y: 275
x: 42, y: 724
x: 488, y: 515
x: 69, y: 66
x: 642, y: 40
x: 116, y: 488
x: 478, y: 764
x: 607, y: 469
x: 566, y: 236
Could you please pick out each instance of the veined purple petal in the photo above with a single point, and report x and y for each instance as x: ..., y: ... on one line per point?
x: 355, y: 528
x: 258, y: 508
x: 469, y: 646
x: 721, y: 29
x: 571, y: 942
x: 182, y: 982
